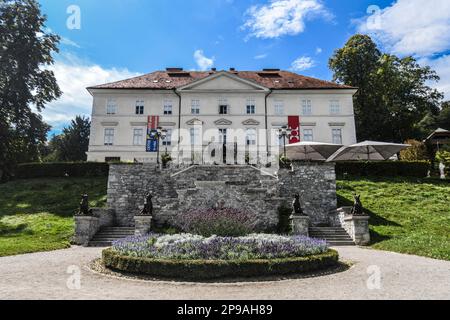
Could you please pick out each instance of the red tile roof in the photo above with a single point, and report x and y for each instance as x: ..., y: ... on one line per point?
x: 167, y: 80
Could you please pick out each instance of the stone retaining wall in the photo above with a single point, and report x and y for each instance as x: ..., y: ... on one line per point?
x: 243, y: 187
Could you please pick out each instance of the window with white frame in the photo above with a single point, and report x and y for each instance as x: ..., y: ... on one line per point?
x: 168, y: 140
x: 337, y: 136
x: 308, y: 135
x: 139, y: 107
x: 251, y: 137
x: 223, y: 106
x: 168, y: 107
x: 195, y: 106
x: 109, y: 136
x: 251, y: 106
x: 306, y: 107
x: 223, y: 136
x: 335, y: 107
x: 279, y: 107
x: 111, y: 106
x: 138, y: 137
x: 195, y: 136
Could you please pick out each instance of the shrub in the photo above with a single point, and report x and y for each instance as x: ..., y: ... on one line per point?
x: 213, y: 269
x: 384, y: 168
x: 61, y: 169
x: 220, y: 222
x: 194, y: 247
x: 417, y: 151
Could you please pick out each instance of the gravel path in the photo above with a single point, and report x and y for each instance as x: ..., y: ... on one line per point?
x: 44, y: 276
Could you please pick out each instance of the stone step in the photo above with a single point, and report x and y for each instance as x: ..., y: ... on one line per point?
x: 341, y: 243
x: 100, y: 243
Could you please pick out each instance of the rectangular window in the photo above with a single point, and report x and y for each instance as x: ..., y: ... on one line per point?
x: 139, y: 107
x: 251, y: 137
x: 168, y: 140
x: 251, y: 106
x: 109, y: 137
x: 223, y: 109
x: 138, y: 137
x: 168, y: 107
x: 223, y: 136
x: 337, y: 136
x: 195, y: 136
x: 308, y: 135
x: 306, y: 107
x: 335, y: 107
x: 195, y: 106
x: 279, y: 107
x: 111, y: 106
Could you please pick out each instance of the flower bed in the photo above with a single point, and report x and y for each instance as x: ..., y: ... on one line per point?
x: 195, y: 257
x: 221, y: 222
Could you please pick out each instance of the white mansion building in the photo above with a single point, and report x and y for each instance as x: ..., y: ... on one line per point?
x: 210, y: 110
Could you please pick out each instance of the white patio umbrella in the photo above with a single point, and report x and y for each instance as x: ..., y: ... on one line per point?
x: 309, y: 150
x: 368, y: 150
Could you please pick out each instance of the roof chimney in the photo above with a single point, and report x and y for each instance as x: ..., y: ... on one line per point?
x: 171, y: 69
x: 232, y: 69
x: 213, y: 69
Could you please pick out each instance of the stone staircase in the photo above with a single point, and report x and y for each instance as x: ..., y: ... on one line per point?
x: 107, y: 235
x: 335, y: 236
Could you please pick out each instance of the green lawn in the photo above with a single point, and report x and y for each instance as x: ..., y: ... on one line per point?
x: 408, y: 215
x: 37, y: 215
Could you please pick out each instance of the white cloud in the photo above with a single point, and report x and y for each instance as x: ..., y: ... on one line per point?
x: 261, y: 56
x: 419, y: 27
x: 319, y: 50
x: 442, y: 66
x: 202, y: 61
x: 68, y: 42
x: 303, y: 63
x: 73, y: 76
x: 282, y: 17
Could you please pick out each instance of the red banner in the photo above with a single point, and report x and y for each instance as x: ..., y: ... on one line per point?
x: 294, y: 124
x: 153, y: 122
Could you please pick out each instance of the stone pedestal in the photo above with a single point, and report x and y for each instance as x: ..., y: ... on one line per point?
x: 85, y: 229
x: 358, y: 228
x: 300, y: 225
x: 142, y: 225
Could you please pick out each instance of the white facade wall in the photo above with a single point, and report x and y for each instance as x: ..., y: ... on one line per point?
x: 210, y: 94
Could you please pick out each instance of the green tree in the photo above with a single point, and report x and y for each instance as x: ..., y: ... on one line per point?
x: 393, y: 95
x: 72, y: 144
x: 25, y: 53
x: 443, y: 119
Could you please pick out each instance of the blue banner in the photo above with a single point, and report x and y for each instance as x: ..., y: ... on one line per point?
x: 152, y: 141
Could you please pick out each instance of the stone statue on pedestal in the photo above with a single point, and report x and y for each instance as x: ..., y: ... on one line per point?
x: 84, y: 206
x: 148, y: 206
x: 296, y: 206
x: 357, y: 208
x: 442, y: 170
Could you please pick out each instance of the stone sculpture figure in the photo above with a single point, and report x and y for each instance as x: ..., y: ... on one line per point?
x: 442, y: 170
x: 84, y: 206
x: 357, y: 208
x: 297, y: 208
x: 148, y: 205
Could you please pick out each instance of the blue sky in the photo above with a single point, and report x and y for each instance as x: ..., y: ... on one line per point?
x: 120, y: 39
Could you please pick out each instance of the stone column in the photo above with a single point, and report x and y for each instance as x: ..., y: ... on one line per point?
x: 85, y: 229
x: 300, y: 225
x: 358, y: 227
x: 142, y: 225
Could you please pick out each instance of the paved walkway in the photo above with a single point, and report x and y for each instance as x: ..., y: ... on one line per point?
x: 44, y: 276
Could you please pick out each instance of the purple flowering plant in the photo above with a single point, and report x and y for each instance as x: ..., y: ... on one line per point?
x: 221, y: 222
x: 195, y: 247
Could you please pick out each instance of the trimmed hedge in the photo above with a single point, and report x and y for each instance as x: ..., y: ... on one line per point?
x: 417, y: 169
x: 214, y: 269
x: 61, y: 169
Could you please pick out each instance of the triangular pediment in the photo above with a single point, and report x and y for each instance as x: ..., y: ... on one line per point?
x: 194, y: 122
x: 251, y: 122
x: 223, y: 122
x: 223, y: 81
